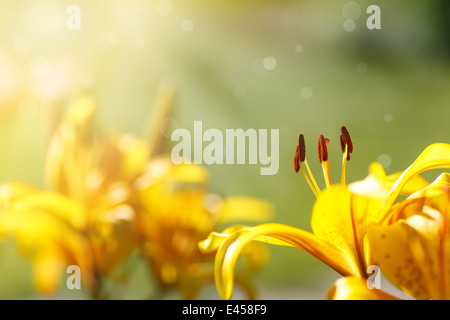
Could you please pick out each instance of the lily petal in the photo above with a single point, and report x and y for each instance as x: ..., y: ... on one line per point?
x: 341, y: 217
x: 407, y: 252
x: 232, y: 247
x: 373, y: 185
x: 425, y: 201
x: 355, y: 288
x: 377, y: 185
x: 433, y: 157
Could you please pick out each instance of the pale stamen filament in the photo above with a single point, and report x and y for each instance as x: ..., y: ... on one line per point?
x: 326, y: 173
x: 323, y: 159
x: 344, y: 163
x: 300, y: 156
x: 314, y: 190
x: 312, y: 177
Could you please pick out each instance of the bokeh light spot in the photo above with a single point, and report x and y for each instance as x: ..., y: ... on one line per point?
x: 269, y: 63
x: 306, y: 93
x: 187, y: 25
x: 298, y: 48
x: 388, y: 117
x: 349, y: 25
x: 384, y: 160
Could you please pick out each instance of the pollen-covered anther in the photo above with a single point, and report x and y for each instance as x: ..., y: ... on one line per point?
x: 323, y: 149
x: 302, y: 147
x: 296, y: 159
x: 346, y: 141
x: 341, y: 138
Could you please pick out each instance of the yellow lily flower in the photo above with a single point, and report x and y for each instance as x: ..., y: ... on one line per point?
x: 87, y: 218
x: 341, y: 215
x: 177, y: 213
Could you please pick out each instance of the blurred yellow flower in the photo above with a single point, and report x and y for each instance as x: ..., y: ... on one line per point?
x: 177, y: 213
x: 48, y: 229
x: 341, y: 218
x: 111, y: 194
x: 87, y: 218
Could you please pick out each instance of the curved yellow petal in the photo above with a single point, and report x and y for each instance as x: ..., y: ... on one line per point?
x: 426, y: 201
x: 415, y: 184
x: 354, y: 288
x: 435, y: 189
x: 232, y: 247
x: 433, y: 157
x: 216, y: 239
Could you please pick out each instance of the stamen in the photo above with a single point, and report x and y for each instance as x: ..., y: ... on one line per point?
x: 312, y: 177
x: 296, y: 160
x: 316, y: 193
x: 322, y: 149
x: 342, y: 143
x: 344, y: 163
x: 323, y: 158
x: 345, y: 138
x: 300, y: 156
x: 347, y: 148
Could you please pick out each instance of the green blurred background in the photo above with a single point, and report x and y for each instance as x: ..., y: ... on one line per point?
x: 296, y: 66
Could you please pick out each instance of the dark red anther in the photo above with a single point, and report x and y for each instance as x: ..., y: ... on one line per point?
x: 346, y: 141
x: 323, y: 149
x: 342, y: 143
x: 296, y: 160
x: 302, y: 147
